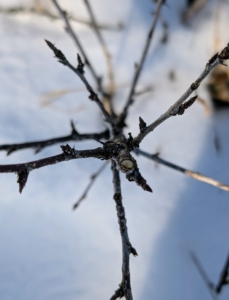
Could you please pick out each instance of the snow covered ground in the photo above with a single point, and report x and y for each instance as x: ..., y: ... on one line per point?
x: 47, y: 250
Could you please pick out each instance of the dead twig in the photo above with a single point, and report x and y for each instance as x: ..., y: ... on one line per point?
x: 80, y: 72
x: 217, y: 59
x: 124, y: 289
x: 204, y: 276
x: 68, y: 154
x: 92, y: 180
x: 187, y: 172
x: 139, y: 67
x: 111, y: 88
x: 224, y: 277
x: 75, y: 38
x: 40, y: 145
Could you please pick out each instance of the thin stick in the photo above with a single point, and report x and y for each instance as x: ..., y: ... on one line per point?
x: 68, y: 154
x: 111, y: 89
x: 79, y: 72
x: 187, y: 172
x: 47, y: 13
x: 124, y: 289
x: 142, y: 60
x: 79, y: 45
x: 223, y: 280
x: 40, y: 145
x: 92, y: 180
x: 203, y: 275
x: 213, y: 62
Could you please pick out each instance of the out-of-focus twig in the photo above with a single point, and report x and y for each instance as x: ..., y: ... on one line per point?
x: 76, y: 40
x: 111, y: 88
x: 139, y: 67
x: 194, y: 7
x: 204, y: 276
x: 90, y: 184
x: 187, y: 172
x: 224, y: 277
x: 46, y: 13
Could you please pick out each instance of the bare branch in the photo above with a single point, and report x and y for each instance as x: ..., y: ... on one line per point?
x: 213, y: 62
x: 46, y: 13
x: 79, y: 45
x: 224, y: 279
x: 92, y: 180
x: 40, y: 145
x: 187, y: 172
x: 68, y: 154
x: 204, y: 276
x: 111, y: 88
x: 93, y: 96
x: 142, y: 60
x: 124, y: 289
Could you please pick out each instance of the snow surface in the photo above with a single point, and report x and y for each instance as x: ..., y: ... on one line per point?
x: 48, y: 251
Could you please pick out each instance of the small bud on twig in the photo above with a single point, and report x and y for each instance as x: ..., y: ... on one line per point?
x: 22, y: 179
x: 142, y: 124
x: 80, y: 66
x: 61, y: 58
x: 185, y: 105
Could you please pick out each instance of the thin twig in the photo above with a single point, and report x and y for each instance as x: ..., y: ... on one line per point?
x: 187, y: 172
x: 92, y: 180
x: 75, y: 38
x: 213, y: 62
x: 69, y: 153
x: 204, y: 276
x: 46, y: 13
x: 142, y: 60
x: 40, y: 145
x: 79, y: 71
x: 124, y: 289
x: 111, y: 88
x: 224, y: 279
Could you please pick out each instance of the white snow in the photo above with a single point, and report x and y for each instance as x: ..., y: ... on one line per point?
x: 47, y: 250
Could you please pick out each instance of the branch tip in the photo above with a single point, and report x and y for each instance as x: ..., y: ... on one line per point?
x: 58, y: 54
x: 81, y: 65
x: 142, y: 124
x: 22, y: 179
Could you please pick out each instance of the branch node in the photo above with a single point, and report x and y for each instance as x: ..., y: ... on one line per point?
x: 195, y: 85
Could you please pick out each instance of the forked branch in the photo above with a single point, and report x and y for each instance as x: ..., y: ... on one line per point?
x: 40, y: 145
x: 194, y: 175
x: 224, y: 277
x: 218, y: 58
x: 80, y: 72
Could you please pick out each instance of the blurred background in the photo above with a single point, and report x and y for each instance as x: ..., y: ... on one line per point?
x: 49, y: 251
